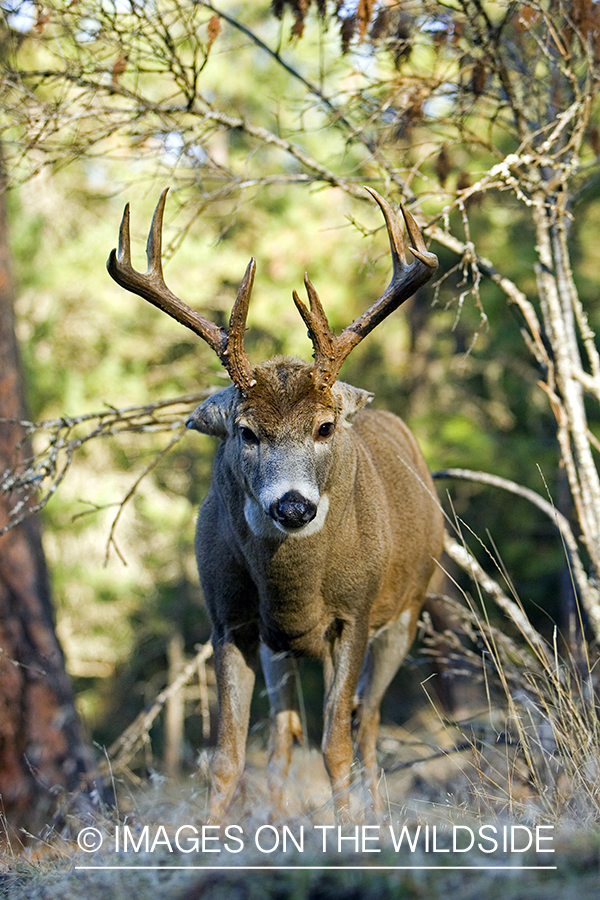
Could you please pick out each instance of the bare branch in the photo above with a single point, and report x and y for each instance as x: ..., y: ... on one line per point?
x: 38, y: 477
x: 589, y: 592
x: 465, y: 559
x: 125, y: 747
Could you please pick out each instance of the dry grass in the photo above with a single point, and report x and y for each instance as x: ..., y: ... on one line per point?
x: 526, y: 754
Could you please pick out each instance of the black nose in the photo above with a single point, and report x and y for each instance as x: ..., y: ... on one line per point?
x: 293, y: 510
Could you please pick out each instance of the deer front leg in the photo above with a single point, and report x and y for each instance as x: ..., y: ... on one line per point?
x: 341, y: 669
x: 235, y: 668
x: 280, y: 675
x: 385, y: 653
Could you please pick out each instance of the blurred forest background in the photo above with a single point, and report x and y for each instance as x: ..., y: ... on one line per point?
x: 265, y: 121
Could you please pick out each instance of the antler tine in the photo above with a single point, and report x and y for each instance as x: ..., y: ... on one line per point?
x: 151, y: 286
x: 154, y: 242
x: 331, y: 351
x: 124, y: 252
x: 323, y: 339
x: 238, y: 364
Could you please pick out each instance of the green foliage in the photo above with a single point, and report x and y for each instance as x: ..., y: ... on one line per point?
x: 104, y: 103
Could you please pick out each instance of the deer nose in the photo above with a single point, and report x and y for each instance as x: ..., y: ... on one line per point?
x: 293, y: 510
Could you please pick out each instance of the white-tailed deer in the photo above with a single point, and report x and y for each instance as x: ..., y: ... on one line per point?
x: 321, y: 529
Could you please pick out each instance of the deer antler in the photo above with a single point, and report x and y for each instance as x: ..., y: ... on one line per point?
x: 228, y: 345
x: 332, y: 350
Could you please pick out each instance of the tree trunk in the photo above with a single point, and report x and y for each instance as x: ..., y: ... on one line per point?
x: 43, y: 753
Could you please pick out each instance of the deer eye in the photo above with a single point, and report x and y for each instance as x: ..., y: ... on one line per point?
x: 325, y: 430
x: 248, y: 435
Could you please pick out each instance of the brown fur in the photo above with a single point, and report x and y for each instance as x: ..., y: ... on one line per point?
x: 343, y: 594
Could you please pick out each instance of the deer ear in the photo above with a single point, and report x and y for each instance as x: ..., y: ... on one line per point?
x: 349, y: 399
x: 211, y: 417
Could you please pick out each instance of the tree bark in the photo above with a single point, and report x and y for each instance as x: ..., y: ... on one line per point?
x: 43, y: 754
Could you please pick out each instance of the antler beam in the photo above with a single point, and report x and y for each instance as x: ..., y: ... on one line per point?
x: 332, y: 350
x: 228, y: 345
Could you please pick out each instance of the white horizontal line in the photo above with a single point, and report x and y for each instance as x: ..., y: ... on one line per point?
x: 362, y: 868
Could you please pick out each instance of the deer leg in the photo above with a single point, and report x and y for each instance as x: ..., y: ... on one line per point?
x: 385, y: 653
x: 341, y: 670
x: 280, y: 676
x: 235, y: 668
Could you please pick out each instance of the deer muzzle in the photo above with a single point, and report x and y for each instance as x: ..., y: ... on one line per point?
x: 293, y: 510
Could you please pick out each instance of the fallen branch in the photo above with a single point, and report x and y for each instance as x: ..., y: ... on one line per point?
x: 590, y: 595
x: 125, y: 747
x: 465, y: 559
